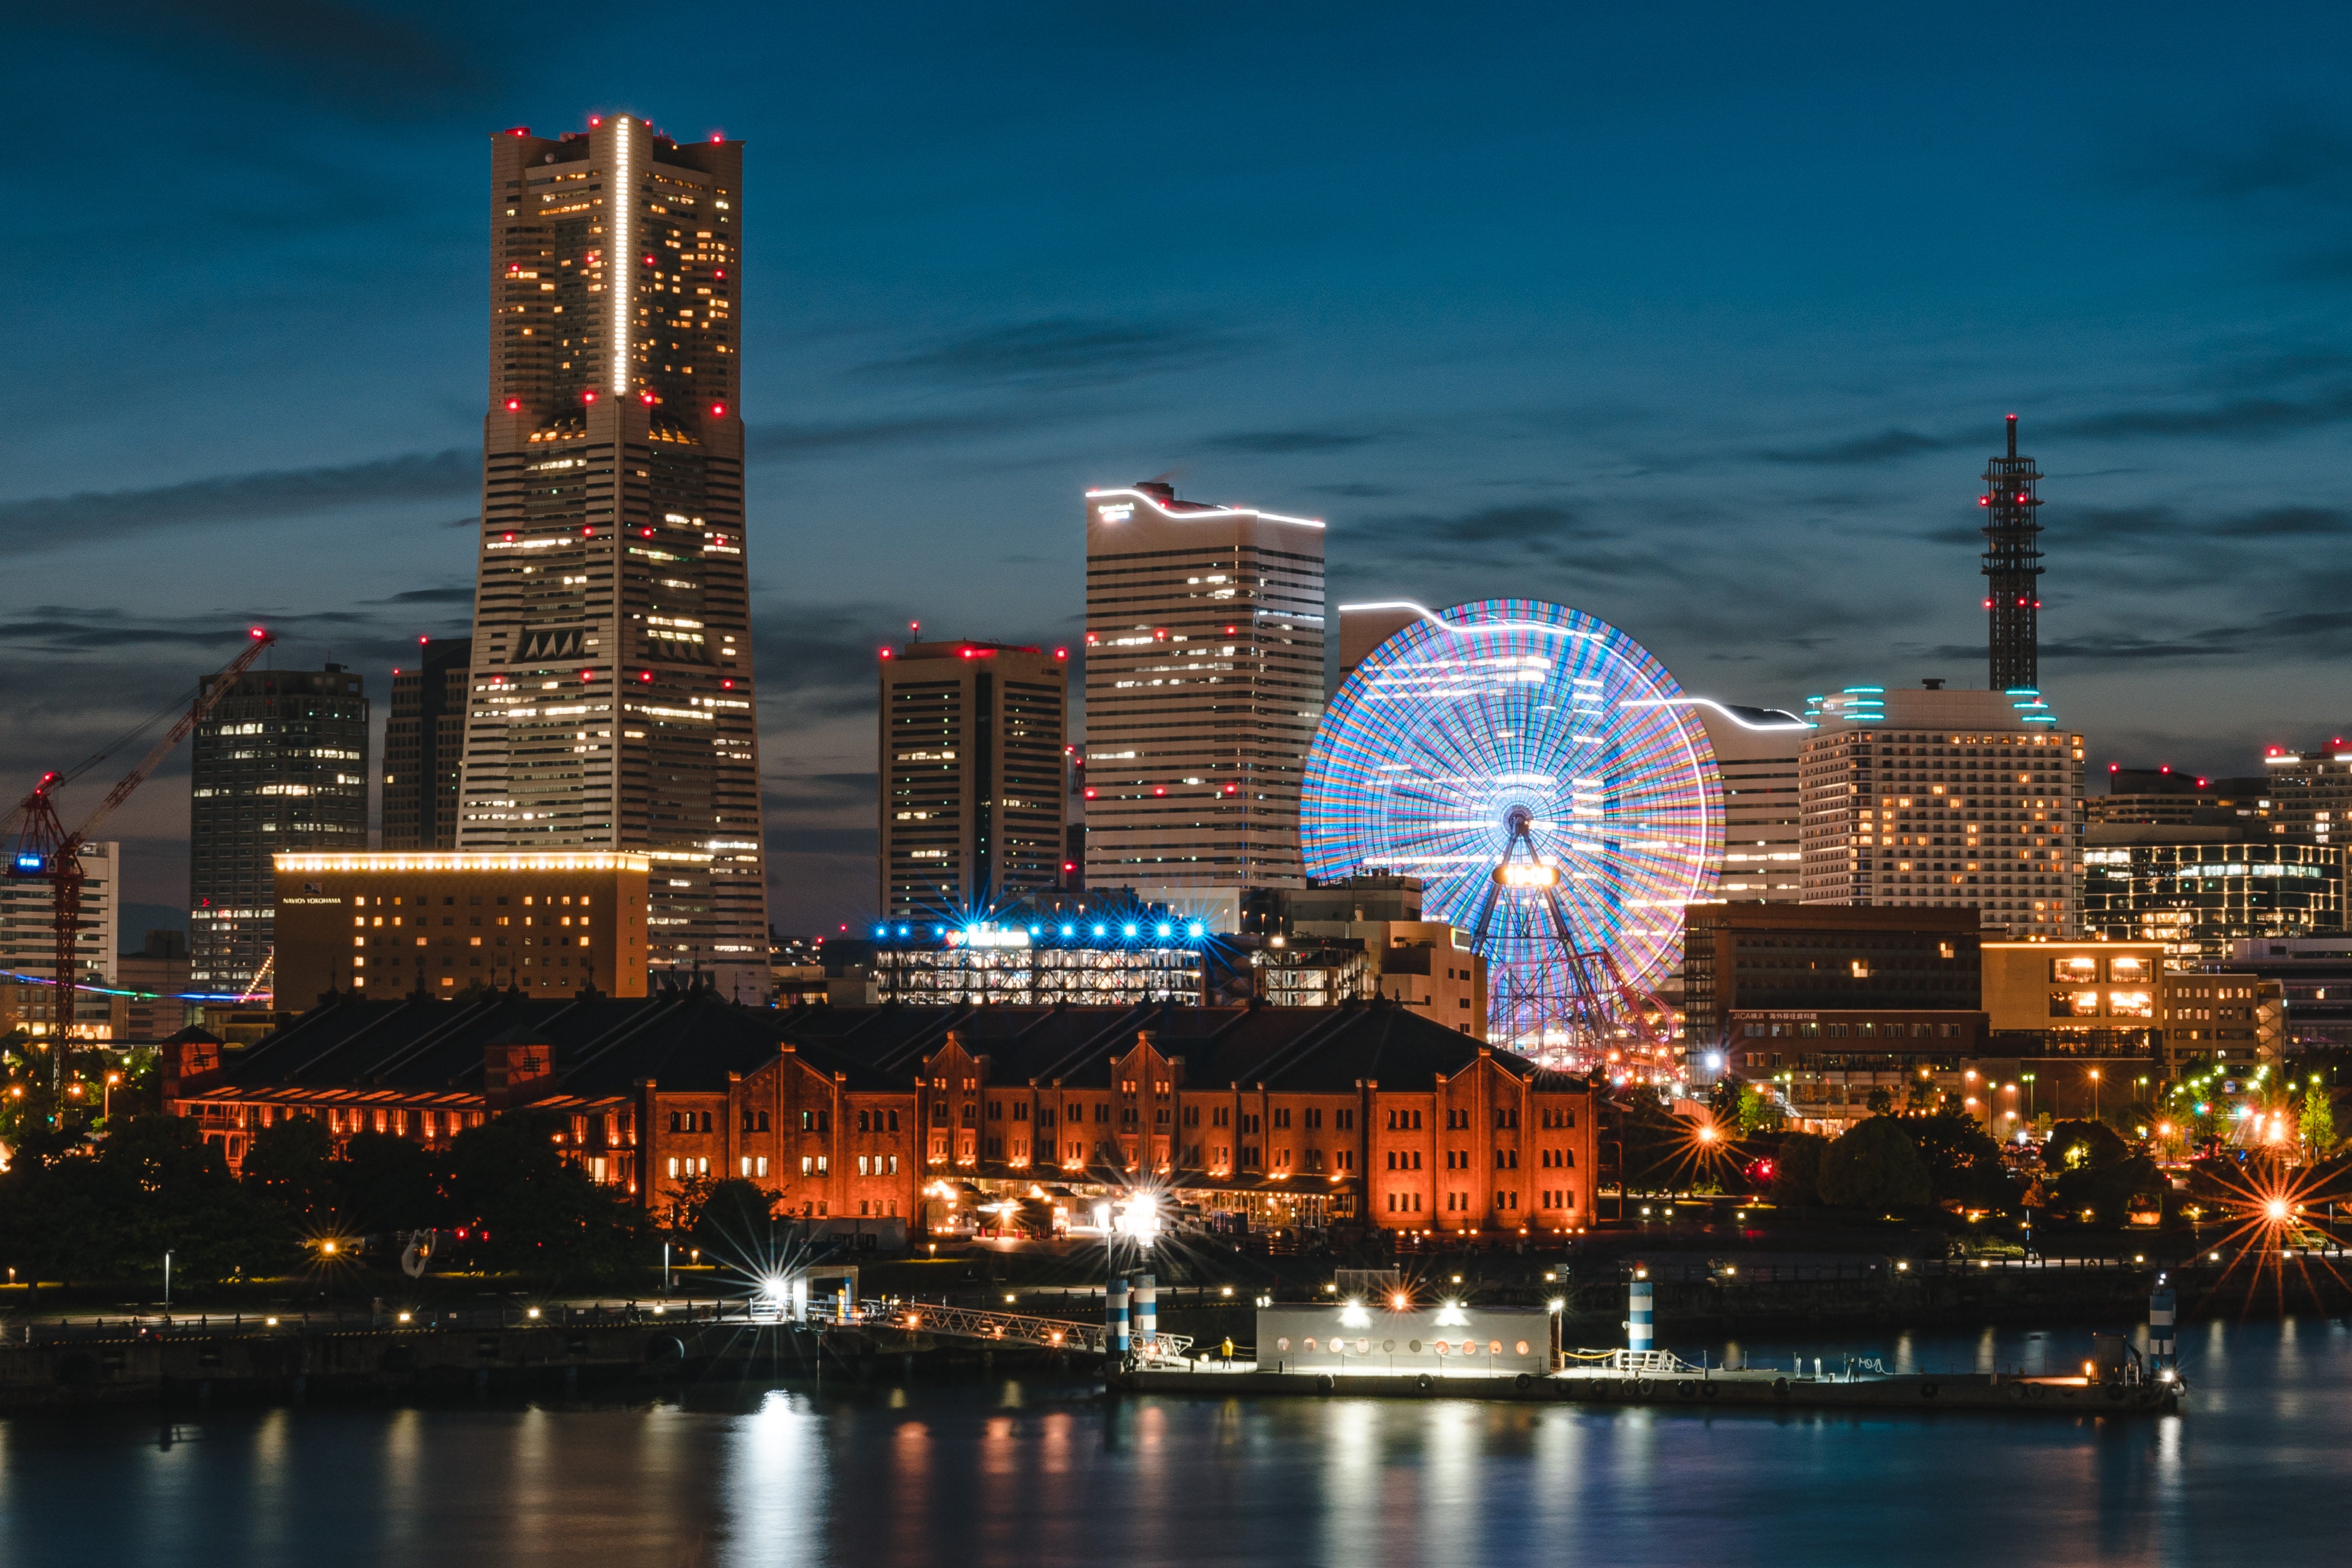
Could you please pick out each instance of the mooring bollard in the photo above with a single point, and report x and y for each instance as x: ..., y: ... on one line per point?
x: 1639, y: 1320
x: 1114, y: 1316
x: 1147, y: 1309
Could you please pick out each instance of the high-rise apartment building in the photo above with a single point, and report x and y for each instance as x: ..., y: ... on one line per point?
x: 971, y: 766
x: 280, y: 763
x: 28, y: 955
x: 1756, y: 767
x: 1204, y: 683
x: 425, y: 746
x: 612, y: 686
x: 1936, y: 799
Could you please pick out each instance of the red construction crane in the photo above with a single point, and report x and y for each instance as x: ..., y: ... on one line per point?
x: 46, y: 852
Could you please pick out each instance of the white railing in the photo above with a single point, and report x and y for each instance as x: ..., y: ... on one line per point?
x: 1012, y: 1328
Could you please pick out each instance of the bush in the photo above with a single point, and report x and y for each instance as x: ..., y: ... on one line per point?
x: 1875, y: 1165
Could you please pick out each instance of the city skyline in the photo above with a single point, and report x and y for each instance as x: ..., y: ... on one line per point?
x: 1761, y: 462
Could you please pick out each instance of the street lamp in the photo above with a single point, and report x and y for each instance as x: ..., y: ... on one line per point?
x: 2094, y: 1094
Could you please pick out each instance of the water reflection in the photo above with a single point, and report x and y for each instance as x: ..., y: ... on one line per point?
x: 1046, y: 1474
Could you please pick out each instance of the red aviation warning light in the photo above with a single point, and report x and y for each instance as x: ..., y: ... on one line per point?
x: 514, y: 405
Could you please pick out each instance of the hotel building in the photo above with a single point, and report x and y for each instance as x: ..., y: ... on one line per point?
x: 1204, y: 683
x: 545, y: 922
x: 1933, y: 799
x: 612, y: 701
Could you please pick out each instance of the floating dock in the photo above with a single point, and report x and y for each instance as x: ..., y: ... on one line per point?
x: 1708, y: 1390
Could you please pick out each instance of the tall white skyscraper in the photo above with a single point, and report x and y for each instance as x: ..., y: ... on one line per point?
x: 1204, y: 683
x: 612, y: 688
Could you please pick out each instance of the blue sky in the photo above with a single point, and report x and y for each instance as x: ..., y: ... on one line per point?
x: 1702, y: 319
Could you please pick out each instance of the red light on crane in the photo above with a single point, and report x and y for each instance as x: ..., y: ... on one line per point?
x: 255, y: 632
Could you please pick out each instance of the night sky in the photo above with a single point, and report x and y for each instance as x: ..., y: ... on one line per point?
x: 1702, y: 319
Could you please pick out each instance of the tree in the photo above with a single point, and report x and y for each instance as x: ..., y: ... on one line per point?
x: 154, y: 1184
x: 1797, y: 1170
x: 2318, y: 1128
x: 734, y: 1222
x: 385, y: 1183
x: 287, y: 1162
x: 2083, y: 1146
x: 1754, y: 1113
x: 1873, y: 1165
x: 1881, y: 1101
x: 530, y: 1210
x: 1963, y: 1163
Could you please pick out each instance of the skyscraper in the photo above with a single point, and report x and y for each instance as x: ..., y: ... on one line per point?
x: 971, y: 765
x: 1204, y: 683
x: 1933, y: 799
x: 2012, y: 568
x: 424, y: 747
x: 612, y: 686
x: 280, y: 763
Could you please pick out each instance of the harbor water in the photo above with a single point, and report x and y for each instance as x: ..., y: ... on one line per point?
x: 1043, y: 1472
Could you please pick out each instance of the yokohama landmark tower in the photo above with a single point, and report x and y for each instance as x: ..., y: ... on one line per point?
x: 2012, y: 568
x: 611, y: 702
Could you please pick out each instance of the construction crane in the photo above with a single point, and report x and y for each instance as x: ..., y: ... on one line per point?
x: 45, y: 852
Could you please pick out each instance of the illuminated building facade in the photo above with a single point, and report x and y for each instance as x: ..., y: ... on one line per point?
x: 972, y: 766
x: 1939, y: 799
x: 2196, y: 890
x: 1756, y: 763
x: 612, y: 703
x: 1084, y: 963
x: 28, y: 947
x: 542, y: 922
x: 279, y: 764
x: 2313, y: 976
x: 881, y: 1122
x: 1204, y: 683
x: 425, y: 747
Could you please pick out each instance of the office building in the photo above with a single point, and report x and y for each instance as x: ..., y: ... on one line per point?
x: 970, y: 765
x: 2196, y: 890
x: 1929, y: 798
x: 2311, y: 787
x: 280, y: 764
x: 542, y: 922
x: 611, y: 701
x: 156, y: 972
x: 1807, y: 958
x: 1363, y: 628
x: 1204, y: 683
x: 2159, y: 798
x: 28, y: 952
x: 425, y: 747
x: 885, y: 1123
x: 1043, y: 962
x: 2315, y: 979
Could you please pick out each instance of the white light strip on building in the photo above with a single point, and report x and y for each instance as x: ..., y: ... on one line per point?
x: 1207, y: 514
x: 623, y: 201
x: 1793, y: 721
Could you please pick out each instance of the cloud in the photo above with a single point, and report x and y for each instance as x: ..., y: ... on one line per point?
x: 1884, y: 447
x: 1065, y: 351
x: 1356, y: 489
x: 452, y: 595
x: 820, y: 791
x: 353, y: 56
x: 2290, y: 155
x: 794, y: 840
x: 1282, y: 443
x: 46, y: 523
x: 790, y: 440
x: 2245, y: 417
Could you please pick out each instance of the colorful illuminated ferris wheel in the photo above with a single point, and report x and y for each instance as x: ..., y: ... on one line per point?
x: 1535, y: 768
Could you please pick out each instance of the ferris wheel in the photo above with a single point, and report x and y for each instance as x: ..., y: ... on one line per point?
x: 1533, y: 766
